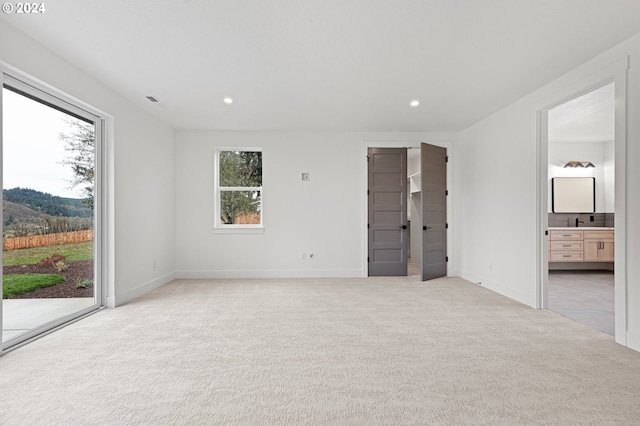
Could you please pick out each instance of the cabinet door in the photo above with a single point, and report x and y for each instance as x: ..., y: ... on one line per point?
x: 607, y: 251
x: 591, y: 250
x: 598, y: 250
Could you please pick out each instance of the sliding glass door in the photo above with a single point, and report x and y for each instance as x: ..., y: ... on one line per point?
x: 50, y: 213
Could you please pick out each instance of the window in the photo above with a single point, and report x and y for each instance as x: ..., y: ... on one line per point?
x: 238, y: 188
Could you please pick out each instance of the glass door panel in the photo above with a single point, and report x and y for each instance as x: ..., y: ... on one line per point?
x: 48, y: 213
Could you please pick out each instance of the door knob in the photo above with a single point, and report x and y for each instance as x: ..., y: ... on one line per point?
x: 403, y: 227
x: 424, y: 228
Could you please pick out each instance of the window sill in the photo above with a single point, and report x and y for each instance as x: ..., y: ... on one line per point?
x: 238, y: 230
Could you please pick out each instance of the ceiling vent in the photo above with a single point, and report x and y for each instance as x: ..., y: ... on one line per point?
x: 156, y: 101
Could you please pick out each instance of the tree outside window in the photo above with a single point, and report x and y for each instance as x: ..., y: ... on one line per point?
x: 239, y: 187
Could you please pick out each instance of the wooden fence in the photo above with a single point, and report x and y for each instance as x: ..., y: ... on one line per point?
x: 31, y: 241
x: 247, y: 219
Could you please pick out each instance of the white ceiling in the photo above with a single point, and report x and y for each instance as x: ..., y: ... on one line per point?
x: 328, y: 64
x: 589, y: 118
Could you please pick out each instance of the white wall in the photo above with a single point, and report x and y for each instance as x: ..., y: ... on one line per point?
x: 497, y: 177
x: 595, y: 152
x: 141, y: 177
x: 323, y: 215
x: 609, y: 177
x: 496, y: 206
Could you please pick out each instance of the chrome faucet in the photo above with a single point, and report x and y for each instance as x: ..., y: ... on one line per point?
x: 578, y: 221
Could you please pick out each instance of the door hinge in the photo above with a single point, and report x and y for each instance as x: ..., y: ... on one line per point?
x: 368, y: 260
x: 446, y: 226
x: 446, y: 259
x: 367, y: 192
x: 368, y: 225
x: 446, y: 192
x: 446, y: 159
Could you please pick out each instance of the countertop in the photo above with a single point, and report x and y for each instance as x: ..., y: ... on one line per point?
x: 580, y: 228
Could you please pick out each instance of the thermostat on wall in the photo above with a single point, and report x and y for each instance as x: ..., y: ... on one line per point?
x: 305, y: 177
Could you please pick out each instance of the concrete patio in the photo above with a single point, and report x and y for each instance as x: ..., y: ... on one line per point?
x: 22, y: 315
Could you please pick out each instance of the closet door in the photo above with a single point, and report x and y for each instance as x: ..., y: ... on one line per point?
x: 434, y: 211
x: 387, y: 206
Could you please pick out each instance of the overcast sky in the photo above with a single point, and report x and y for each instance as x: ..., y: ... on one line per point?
x: 32, y: 149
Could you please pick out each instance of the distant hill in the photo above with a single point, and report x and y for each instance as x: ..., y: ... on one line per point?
x: 43, y: 203
x: 17, y: 212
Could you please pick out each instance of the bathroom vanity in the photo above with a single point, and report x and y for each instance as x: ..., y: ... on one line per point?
x: 588, y: 244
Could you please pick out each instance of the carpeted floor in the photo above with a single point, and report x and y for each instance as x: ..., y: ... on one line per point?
x: 313, y: 351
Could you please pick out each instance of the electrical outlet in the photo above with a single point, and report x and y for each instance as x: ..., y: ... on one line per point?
x: 312, y: 256
x: 305, y: 177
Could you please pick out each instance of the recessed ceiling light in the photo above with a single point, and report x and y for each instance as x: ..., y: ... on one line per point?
x: 415, y: 103
x: 228, y: 100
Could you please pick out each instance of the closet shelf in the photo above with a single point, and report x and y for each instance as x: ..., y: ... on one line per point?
x: 415, y: 182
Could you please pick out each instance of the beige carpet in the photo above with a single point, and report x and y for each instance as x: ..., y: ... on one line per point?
x: 295, y: 352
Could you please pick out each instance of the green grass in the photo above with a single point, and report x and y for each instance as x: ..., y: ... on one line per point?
x: 78, y: 251
x: 16, y: 284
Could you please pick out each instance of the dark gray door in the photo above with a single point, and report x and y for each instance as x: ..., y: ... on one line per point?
x: 434, y: 211
x: 387, y: 199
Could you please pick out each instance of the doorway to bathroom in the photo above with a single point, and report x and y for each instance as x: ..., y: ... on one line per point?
x: 581, y: 222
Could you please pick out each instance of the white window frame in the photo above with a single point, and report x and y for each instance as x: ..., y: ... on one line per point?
x: 52, y: 97
x: 218, y: 226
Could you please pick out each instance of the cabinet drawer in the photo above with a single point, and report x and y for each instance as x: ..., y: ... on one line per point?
x: 565, y: 256
x: 565, y: 235
x: 598, y: 234
x: 566, y: 245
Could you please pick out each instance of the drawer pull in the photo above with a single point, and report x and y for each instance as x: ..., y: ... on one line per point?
x: 566, y: 255
x: 566, y: 245
x: 566, y: 235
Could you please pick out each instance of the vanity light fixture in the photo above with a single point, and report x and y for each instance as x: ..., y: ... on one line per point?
x: 579, y: 164
x: 228, y: 100
x: 415, y: 103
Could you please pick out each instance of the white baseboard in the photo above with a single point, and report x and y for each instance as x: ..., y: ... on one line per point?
x: 120, y: 299
x: 267, y: 273
x: 633, y: 341
x: 502, y: 289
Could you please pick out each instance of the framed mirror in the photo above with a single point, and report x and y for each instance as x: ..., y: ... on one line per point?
x: 573, y: 195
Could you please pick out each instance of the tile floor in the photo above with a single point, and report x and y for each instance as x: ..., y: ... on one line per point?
x: 584, y: 296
